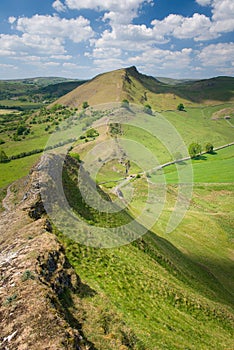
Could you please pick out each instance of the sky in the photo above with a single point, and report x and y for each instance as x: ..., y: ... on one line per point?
x: 82, y: 38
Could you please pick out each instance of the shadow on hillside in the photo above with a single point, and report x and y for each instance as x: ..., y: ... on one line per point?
x: 84, y: 291
x: 187, y: 269
x: 220, y: 88
x: 67, y: 303
x: 200, y: 157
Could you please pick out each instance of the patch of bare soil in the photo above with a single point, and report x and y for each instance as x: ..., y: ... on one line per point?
x: 223, y: 113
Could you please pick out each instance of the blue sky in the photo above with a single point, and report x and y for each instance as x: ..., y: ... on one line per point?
x: 82, y: 38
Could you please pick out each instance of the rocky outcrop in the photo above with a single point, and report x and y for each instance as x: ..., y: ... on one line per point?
x: 34, y: 277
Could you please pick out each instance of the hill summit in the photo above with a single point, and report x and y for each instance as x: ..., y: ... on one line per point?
x: 129, y: 83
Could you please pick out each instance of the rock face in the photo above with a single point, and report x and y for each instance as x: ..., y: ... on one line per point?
x: 34, y: 275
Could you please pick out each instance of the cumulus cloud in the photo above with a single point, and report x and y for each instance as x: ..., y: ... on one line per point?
x: 223, y: 11
x: 59, y: 6
x: 217, y: 55
x: 110, y: 5
x: 117, y: 11
x: 76, y: 29
x: 196, y: 27
x: 44, y: 35
x: 164, y: 58
x: 203, y: 2
x: 11, y: 19
x: 104, y: 53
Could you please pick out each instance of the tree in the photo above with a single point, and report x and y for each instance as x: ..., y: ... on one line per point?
x: 147, y: 109
x: 21, y: 129
x: 85, y: 105
x: 125, y: 103
x: 127, y: 166
x: 3, y: 157
x: 92, y: 133
x: 209, y: 147
x: 180, y: 107
x: 194, y: 149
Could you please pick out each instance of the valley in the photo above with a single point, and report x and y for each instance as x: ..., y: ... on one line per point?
x: 108, y: 137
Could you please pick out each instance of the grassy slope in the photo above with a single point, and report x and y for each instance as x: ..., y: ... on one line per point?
x: 104, y: 88
x: 16, y: 169
x: 138, y: 88
x: 166, y: 297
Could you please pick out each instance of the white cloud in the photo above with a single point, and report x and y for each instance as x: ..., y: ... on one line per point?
x: 203, y: 2
x: 61, y: 57
x: 110, y: 5
x: 73, y: 66
x: 217, y: 55
x: 109, y: 64
x: 3, y: 65
x: 104, y: 53
x: 75, y: 29
x: 51, y: 64
x: 223, y: 9
x: 196, y: 27
x: 164, y: 58
x: 44, y: 35
x: 59, y: 6
x: 11, y: 19
x: 223, y: 14
x: 118, y: 11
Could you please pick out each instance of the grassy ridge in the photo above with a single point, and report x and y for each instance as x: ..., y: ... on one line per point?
x: 169, y: 300
x: 141, y: 89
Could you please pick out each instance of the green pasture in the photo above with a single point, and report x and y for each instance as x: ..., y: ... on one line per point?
x: 209, y: 168
x: 16, y: 169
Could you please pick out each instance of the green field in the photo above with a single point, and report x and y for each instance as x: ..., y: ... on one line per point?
x: 16, y: 169
x: 210, y: 168
x: 176, y: 295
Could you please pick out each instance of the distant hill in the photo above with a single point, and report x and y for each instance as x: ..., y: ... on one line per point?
x: 171, y: 81
x: 37, y: 89
x: 138, y: 88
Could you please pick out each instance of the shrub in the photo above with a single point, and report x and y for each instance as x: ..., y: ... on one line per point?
x: 209, y: 147
x: 27, y: 275
x: 194, y: 149
x: 180, y: 107
x: 147, y: 109
x: 125, y: 103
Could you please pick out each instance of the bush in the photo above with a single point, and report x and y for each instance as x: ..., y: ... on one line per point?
x: 147, y: 109
x: 85, y: 105
x: 125, y: 103
x: 209, y: 147
x: 180, y: 107
x: 194, y: 149
x: 27, y: 275
x: 3, y: 157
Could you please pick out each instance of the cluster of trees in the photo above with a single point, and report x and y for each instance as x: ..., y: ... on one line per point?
x: 115, y: 129
x: 195, y: 149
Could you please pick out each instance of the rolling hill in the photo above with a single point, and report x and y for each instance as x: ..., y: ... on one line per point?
x: 138, y: 88
x: 35, y: 89
x: 164, y: 291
